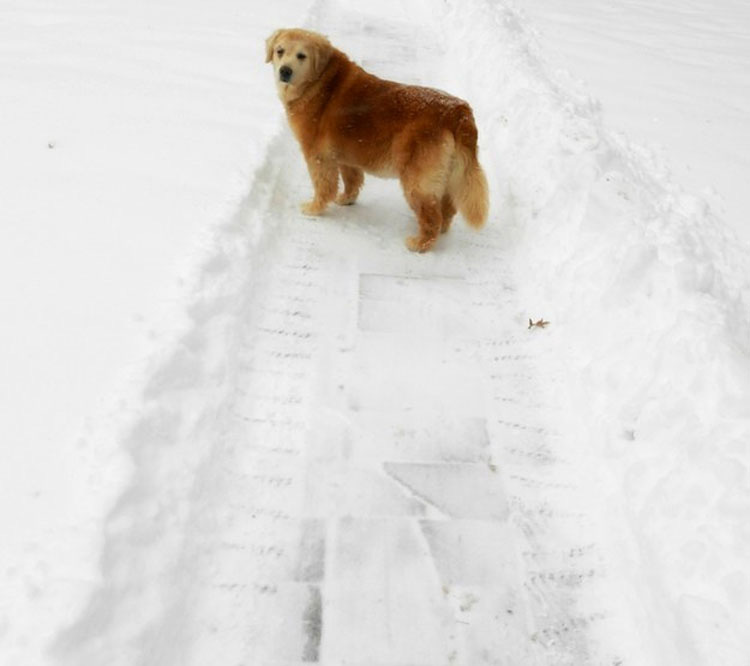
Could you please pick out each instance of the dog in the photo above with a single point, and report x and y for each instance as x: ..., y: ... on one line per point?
x: 350, y: 122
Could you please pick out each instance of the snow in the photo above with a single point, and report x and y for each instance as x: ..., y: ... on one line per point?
x: 236, y: 435
x: 672, y: 77
x: 649, y: 294
x: 125, y: 130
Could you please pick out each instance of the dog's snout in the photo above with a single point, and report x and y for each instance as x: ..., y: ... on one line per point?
x: 285, y: 73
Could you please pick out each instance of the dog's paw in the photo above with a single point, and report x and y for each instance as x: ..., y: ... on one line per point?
x: 312, y: 208
x: 419, y: 244
x: 346, y: 199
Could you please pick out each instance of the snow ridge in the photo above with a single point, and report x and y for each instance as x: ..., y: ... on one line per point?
x: 648, y: 292
x: 185, y: 405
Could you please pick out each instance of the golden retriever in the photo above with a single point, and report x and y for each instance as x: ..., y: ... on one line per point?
x: 350, y: 122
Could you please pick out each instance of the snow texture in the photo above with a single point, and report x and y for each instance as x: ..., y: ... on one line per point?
x: 351, y: 454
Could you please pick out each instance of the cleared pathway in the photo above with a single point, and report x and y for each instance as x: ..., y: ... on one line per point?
x: 351, y: 457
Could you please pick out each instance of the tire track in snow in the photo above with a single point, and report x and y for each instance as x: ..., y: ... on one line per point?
x: 349, y: 457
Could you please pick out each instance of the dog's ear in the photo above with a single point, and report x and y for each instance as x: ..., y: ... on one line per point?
x: 321, y: 54
x: 270, y: 43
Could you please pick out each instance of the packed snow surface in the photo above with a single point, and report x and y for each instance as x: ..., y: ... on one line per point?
x: 339, y: 452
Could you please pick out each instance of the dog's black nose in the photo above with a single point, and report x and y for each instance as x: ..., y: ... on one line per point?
x: 285, y: 73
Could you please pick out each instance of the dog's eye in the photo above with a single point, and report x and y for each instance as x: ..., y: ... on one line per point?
x: 279, y: 52
x: 301, y: 56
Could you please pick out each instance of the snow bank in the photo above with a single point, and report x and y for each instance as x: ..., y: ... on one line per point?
x: 648, y: 296
x: 672, y: 75
x: 128, y: 131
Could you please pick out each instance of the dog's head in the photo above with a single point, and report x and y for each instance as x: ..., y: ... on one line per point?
x: 298, y: 57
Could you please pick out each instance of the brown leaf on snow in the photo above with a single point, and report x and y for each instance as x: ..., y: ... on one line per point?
x: 537, y: 324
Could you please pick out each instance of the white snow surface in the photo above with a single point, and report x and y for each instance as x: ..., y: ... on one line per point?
x: 670, y: 75
x: 337, y: 451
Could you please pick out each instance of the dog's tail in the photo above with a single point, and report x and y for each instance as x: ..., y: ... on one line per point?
x: 468, y: 184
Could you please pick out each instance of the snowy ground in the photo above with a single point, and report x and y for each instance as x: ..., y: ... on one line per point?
x: 338, y: 451
x: 127, y: 130
x: 670, y: 75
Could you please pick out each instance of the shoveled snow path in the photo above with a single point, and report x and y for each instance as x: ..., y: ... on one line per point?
x: 351, y: 457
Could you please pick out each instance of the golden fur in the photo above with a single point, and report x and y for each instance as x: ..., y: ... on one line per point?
x: 350, y: 122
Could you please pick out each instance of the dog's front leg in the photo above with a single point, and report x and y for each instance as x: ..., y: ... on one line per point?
x: 353, y: 179
x: 325, y: 179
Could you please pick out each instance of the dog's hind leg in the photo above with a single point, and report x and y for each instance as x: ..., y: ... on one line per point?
x: 424, y: 179
x: 448, y: 209
x: 353, y: 179
x: 429, y: 218
x: 325, y: 179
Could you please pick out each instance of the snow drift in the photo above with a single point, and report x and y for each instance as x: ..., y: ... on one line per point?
x: 648, y: 294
